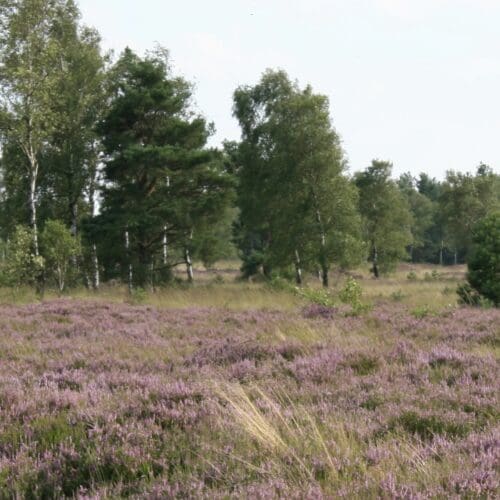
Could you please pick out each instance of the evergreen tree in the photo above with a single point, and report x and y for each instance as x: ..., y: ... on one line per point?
x: 162, y: 184
x: 484, y: 260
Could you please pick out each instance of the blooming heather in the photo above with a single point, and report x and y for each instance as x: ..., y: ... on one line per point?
x: 112, y: 400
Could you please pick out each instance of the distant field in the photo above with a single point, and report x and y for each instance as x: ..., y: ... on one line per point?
x: 238, y: 390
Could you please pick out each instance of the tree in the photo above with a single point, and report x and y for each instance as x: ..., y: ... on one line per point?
x: 162, y: 184
x: 465, y: 199
x: 387, y: 219
x: 77, y: 103
x: 30, y: 62
x: 295, y: 202
x: 423, y: 214
x: 484, y: 261
x: 22, y: 266
x: 252, y: 107
x: 59, y: 247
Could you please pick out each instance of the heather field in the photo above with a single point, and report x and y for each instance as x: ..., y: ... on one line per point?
x: 231, y: 390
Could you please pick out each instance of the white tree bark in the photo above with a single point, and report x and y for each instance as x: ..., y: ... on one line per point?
x: 130, y: 269
x: 189, y: 265
x: 298, y: 268
x: 95, y: 264
x: 165, y: 246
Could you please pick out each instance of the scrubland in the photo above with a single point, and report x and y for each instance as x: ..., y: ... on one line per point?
x: 241, y: 390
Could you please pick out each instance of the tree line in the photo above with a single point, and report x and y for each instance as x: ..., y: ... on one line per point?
x: 105, y: 173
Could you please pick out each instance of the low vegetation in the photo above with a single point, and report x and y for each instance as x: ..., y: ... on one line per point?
x: 231, y: 390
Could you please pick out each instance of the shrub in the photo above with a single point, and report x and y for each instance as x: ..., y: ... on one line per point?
x: 434, y: 276
x: 412, y: 276
x: 318, y: 296
x: 421, y: 312
x: 22, y: 266
x: 59, y: 247
x: 351, y: 294
x: 397, y: 296
x: 484, y: 262
x: 467, y: 295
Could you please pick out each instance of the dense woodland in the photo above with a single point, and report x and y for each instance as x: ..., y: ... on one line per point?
x: 105, y: 173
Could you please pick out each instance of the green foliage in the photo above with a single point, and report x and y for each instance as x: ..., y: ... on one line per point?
x: 412, y: 276
x: 423, y: 212
x: 397, y: 296
x: 364, y: 365
x: 351, y: 293
x: 484, y: 262
x: 387, y: 219
x: 22, y: 266
x: 161, y: 180
x: 296, y: 205
x: 317, y: 296
x: 421, y: 312
x: 427, y: 427
x: 433, y: 276
x: 464, y: 201
x: 137, y: 295
x: 468, y: 295
x: 59, y: 248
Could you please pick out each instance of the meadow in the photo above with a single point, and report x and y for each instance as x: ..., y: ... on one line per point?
x: 244, y: 390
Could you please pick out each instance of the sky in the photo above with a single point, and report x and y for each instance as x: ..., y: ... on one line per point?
x: 415, y: 82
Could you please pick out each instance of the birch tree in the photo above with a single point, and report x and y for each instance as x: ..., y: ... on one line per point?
x: 386, y: 216
x: 297, y: 206
x: 28, y: 65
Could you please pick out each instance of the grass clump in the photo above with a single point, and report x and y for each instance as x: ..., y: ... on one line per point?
x: 289, y: 435
x: 364, y: 365
x: 426, y: 427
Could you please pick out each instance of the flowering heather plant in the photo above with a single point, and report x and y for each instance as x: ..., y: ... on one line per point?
x: 107, y: 400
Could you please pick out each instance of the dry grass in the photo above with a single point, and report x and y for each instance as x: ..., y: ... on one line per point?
x: 435, y: 291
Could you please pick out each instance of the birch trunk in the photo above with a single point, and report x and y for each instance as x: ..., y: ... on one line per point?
x: 165, y: 246
x: 323, y: 258
x: 130, y: 269
x: 95, y: 264
x: 92, y: 194
x: 441, y: 254
x: 32, y: 205
x: 298, y: 268
x: 73, y: 209
x: 189, y: 265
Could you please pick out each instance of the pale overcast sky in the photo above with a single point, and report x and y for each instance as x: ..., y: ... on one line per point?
x: 415, y: 82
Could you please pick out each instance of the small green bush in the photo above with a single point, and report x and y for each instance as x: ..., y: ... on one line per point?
x: 421, y: 312
x: 351, y: 294
x: 318, y: 296
x: 412, y: 276
x: 138, y: 296
x: 397, y: 296
x: 434, y: 276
